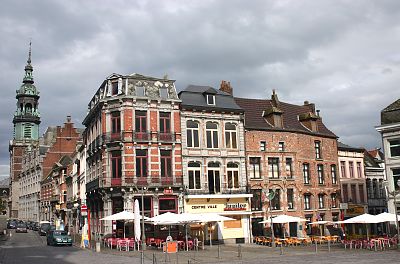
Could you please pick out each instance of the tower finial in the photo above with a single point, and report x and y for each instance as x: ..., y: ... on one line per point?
x: 30, y: 51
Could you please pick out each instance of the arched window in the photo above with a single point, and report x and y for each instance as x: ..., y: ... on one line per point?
x: 214, y: 180
x: 212, y: 135
x: 28, y: 108
x: 192, y: 134
x: 233, y: 175
x: 230, y: 136
x: 194, y: 172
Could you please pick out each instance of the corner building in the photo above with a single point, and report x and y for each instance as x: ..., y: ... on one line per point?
x: 133, y: 140
x: 213, y: 154
x: 292, y: 159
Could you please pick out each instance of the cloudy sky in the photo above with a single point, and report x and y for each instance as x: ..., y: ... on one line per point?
x: 342, y: 55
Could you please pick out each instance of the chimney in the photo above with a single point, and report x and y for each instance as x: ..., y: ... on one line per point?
x: 68, y: 119
x: 311, y: 106
x: 274, y: 99
x: 226, y: 87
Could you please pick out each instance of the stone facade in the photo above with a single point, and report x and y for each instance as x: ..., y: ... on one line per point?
x: 133, y: 139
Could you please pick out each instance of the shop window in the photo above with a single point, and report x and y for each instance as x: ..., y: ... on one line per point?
x: 192, y: 134
x: 273, y: 165
x: 394, y: 148
x: 256, y: 203
x: 237, y: 223
x: 167, y: 205
x: 141, y: 163
x: 233, y: 175
x: 230, y: 136
x: 194, y: 172
x: 255, y: 167
x: 148, y: 205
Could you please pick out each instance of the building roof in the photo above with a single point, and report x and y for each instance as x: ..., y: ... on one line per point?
x: 5, y: 183
x: 344, y: 147
x: 370, y: 160
x: 254, y: 116
x: 391, y: 113
x: 194, y: 97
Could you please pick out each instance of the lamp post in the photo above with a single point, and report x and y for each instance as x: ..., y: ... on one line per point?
x: 271, y: 196
x: 143, y: 233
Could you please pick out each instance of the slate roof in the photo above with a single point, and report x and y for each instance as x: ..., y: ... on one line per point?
x: 391, y: 114
x: 194, y: 97
x: 370, y: 160
x: 254, y: 117
x: 345, y: 147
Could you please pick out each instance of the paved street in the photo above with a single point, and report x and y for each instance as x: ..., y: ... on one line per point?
x: 31, y: 248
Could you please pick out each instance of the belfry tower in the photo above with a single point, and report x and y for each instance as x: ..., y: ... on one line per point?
x: 26, y: 131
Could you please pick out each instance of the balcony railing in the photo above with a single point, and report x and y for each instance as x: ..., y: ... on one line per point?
x: 112, y: 137
x: 166, y: 137
x: 141, y: 136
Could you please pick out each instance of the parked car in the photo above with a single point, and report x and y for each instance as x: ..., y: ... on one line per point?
x: 35, y: 226
x: 58, y: 237
x: 21, y: 228
x: 44, y: 227
x: 12, y: 224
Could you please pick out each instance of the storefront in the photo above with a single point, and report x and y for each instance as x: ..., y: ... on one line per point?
x: 236, y: 206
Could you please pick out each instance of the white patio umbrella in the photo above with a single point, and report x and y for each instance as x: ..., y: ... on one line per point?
x: 283, y: 219
x: 362, y: 219
x: 136, y: 223
x: 124, y: 215
x: 388, y: 217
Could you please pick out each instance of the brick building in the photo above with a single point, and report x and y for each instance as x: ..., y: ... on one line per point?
x: 214, y: 164
x: 291, y: 158
x: 133, y: 139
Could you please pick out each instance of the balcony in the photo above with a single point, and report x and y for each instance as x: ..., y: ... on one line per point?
x: 166, y: 137
x: 116, y: 181
x: 141, y: 136
x: 110, y: 137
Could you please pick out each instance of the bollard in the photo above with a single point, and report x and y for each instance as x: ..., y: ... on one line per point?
x: 329, y: 245
x: 154, y: 258
x: 5, y: 231
x: 177, y: 261
x: 281, y: 250
x: 97, y: 246
x: 239, y: 251
x: 316, y: 246
x: 218, y: 251
x: 142, y: 257
x: 188, y: 261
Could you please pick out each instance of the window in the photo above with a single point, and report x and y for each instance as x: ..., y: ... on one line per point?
x: 165, y: 123
x: 167, y: 205
x: 317, y: 145
x: 214, y: 182
x: 141, y: 163
x: 140, y: 91
x: 359, y: 170
x: 230, y: 135
x: 394, y: 148
x: 345, y: 192
x: 115, y: 123
x: 192, y: 134
x: 343, y: 169
x: 256, y: 204
x: 116, y: 164
x: 273, y: 165
x: 307, y: 202
x: 396, y: 178
x: 114, y: 88
x: 194, y: 173
x: 255, y: 167
x: 233, y: 175
x: 320, y: 172
x: 334, y: 200
x: 164, y: 93
x: 27, y: 131
x: 333, y: 174
x: 306, y: 173
x: 361, y: 192
x: 321, y: 203
x: 276, y: 201
x: 353, y: 189
x: 141, y: 124
x: 166, y: 163
x: 351, y: 169
x: 290, y: 200
x: 263, y: 146
x: 212, y: 135
x: 289, y: 167
x: 281, y: 146
x: 210, y: 99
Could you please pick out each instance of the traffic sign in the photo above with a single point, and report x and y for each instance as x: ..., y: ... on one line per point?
x: 84, y: 208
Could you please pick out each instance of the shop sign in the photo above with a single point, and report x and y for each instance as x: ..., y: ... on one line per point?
x: 235, y: 207
x: 208, y: 206
x: 168, y: 191
x: 354, y: 210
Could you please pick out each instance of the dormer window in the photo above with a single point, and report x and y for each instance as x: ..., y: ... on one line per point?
x: 164, y: 93
x: 140, y: 91
x: 210, y: 99
x: 114, y: 87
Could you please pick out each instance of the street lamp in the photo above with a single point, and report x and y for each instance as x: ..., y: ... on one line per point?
x: 392, y: 195
x: 143, y: 233
x: 270, y: 196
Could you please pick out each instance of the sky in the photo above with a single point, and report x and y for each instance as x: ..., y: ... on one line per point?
x: 343, y: 56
